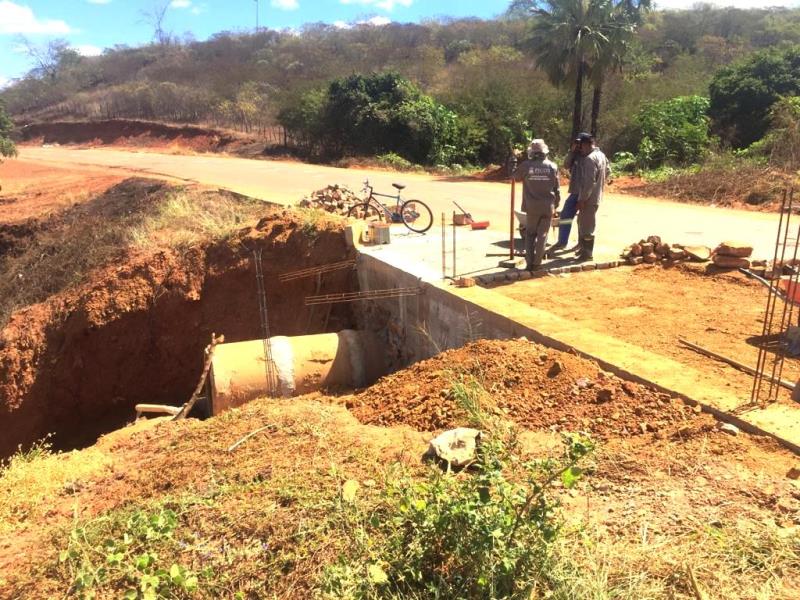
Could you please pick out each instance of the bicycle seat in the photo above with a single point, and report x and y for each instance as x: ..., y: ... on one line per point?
x: 399, y: 186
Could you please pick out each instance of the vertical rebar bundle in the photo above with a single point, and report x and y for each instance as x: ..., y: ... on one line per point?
x: 780, y: 308
x: 269, y: 364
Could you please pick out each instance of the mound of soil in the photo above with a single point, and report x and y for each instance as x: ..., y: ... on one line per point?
x: 77, y: 363
x: 536, y: 387
x: 127, y: 132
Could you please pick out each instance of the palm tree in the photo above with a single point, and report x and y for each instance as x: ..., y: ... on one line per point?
x: 568, y: 35
x: 576, y: 39
x: 621, y: 22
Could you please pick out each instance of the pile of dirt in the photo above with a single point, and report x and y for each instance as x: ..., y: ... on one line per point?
x: 76, y: 363
x: 536, y: 387
x: 126, y: 132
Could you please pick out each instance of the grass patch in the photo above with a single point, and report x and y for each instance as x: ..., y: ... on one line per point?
x: 322, y: 507
x: 29, y: 481
x: 483, y: 533
x: 187, y: 218
x: 135, y: 215
x: 312, y: 221
x: 746, y: 561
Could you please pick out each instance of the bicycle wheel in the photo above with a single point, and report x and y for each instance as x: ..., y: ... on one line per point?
x: 366, y: 211
x: 416, y: 216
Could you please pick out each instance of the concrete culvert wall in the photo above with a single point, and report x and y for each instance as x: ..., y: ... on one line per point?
x: 349, y: 359
x: 76, y: 365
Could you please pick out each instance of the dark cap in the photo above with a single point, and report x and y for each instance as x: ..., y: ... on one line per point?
x: 584, y: 137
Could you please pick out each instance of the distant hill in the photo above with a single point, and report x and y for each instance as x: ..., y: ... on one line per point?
x: 482, y: 69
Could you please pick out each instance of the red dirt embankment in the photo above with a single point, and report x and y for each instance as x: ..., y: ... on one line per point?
x: 77, y: 363
x: 131, y: 133
x: 537, y: 387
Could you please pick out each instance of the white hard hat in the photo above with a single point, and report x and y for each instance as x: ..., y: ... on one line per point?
x: 538, y: 147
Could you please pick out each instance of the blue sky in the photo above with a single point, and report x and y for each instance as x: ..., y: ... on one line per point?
x: 91, y: 25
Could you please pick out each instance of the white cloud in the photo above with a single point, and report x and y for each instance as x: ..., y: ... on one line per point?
x: 180, y: 3
x: 376, y: 21
x: 18, y: 18
x: 387, y: 5
x: 88, y: 50
x: 4, y: 81
x: 99, y: 1
x: 285, y: 4
x: 342, y: 25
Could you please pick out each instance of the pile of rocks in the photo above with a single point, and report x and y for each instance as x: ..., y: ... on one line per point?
x: 334, y: 199
x: 733, y: 255
x: 653, y: 250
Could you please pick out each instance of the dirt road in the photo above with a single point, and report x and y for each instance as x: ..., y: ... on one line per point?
x: 622, y: 218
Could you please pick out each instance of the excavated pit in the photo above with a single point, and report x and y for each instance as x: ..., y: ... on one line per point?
x: 75, y: 366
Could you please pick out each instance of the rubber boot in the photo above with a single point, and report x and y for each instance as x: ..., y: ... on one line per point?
x: 586, y: 251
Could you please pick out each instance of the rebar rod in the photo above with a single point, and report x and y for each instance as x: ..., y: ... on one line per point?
x: 762, y: 357
x: 311, y: 271
x: 444, y: 248
x: 794, y: 280
x: 777, y: 355
x: 357, y: 296
x: 269, y: 370
x: 454, y: 246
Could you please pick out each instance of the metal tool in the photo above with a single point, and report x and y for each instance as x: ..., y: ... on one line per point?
x: 463, y: 212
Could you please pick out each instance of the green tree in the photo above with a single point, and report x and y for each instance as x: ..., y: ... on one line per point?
x: 782, y: 143
x: 7, y: 147
x: 743, y: 94
x: 674, y: 131
x: 381, y: 113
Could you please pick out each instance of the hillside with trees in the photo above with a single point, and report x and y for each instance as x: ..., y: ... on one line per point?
x: 660, y: 89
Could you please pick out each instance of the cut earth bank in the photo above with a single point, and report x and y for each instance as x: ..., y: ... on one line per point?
x: 110, y: 302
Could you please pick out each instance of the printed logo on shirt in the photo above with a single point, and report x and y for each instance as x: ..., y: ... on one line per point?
x: 539, y: 173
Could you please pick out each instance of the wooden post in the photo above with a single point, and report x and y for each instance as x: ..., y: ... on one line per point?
x: 454, y: 246
x: 513, y: 196
x: 444, y: 251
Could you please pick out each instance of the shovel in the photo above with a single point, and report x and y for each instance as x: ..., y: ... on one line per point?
x: 470, y: 221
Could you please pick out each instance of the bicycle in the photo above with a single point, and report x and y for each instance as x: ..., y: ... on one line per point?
x: 414, y: 214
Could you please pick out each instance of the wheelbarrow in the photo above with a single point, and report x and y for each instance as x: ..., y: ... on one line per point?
x: 787, y: 290
x: 522, y: 218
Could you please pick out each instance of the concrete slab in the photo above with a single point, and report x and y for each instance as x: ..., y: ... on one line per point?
x: 476, y: 253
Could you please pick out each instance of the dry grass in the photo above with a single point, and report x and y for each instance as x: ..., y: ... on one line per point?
x: 266, y: 520
x: 722, y: 180
x: 32, y: 482
x: 748, y: 561
x: 137, y: 215
x: 189, y: 217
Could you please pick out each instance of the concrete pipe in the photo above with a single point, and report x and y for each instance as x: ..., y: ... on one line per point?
x: 303, y: 364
